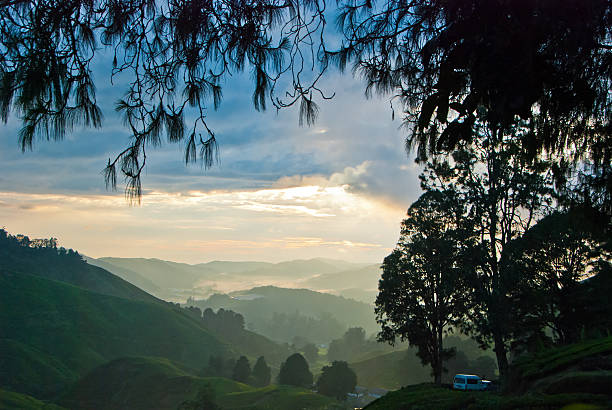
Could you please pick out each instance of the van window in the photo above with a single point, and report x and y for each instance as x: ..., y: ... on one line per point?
x: 472, y: 381
x: 459, y: 380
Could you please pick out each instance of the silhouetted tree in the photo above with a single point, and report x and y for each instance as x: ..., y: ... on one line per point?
x: 261, y: 373
x: 295, y: 372
x: 423, y: 292
x: 337, y: 380
x: 504, y: 194
x: 242, y: 370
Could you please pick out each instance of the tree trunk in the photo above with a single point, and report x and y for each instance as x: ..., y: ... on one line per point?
x: 502, y: 359
x: 438, y: 359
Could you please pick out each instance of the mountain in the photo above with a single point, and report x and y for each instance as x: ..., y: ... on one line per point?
x: 298, y: 269
x: 234, y: 267
x: 362, y: 278
x: 129, y: 275
x: 165, y: 279
x: 180, y: 281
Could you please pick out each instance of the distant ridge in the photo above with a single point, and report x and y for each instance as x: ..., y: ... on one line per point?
x: 180, y: 281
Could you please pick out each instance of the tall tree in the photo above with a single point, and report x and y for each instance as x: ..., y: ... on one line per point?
x: 295, y: 372
x: 504, y: 193
x: 422, y: 292
x: 337, y: 380
x: 261, y: 373
x: 242, y: 370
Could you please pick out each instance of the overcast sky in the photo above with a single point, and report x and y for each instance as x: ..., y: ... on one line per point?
x: 339, y: 189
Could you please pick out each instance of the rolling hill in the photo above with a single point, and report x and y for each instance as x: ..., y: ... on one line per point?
x: 64, y: 266
x: 53, y: 333
x: 148, y: 383
x: 68, y: 317
x: 179, y: 281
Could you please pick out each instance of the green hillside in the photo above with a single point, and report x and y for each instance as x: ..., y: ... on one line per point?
x: 52, y: 333
x: 578, y: 376
x: 584, y: 367
x: 147, y: 383
x: 64, y: 266
x: 17, y: 401
x: 428, y: 396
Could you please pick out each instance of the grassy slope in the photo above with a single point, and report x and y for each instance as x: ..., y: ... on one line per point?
x: 53, y: 333
x: 578, y: 374
x: 17, y: 401
x: 580, y: 367
x: 47, y: 264
x: 146, y: 383
x: 427, y: 396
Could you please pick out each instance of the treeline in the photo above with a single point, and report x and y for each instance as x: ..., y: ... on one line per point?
x: 224, y: 322
x: 23, y: 249
x: 336, y: 380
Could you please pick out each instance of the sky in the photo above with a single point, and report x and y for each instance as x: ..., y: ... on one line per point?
x: 338, y: 189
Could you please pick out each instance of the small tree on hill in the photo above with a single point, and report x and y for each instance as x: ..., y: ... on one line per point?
x: 242, y: 370
x: 337, y: 380
x: 261, y: 373
x: 295, y: 372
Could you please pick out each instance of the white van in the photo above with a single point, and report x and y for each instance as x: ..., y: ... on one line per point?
x: 470, y: 382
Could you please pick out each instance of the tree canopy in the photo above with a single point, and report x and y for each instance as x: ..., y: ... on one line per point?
x: 295, y: 372
x: 337, y: 380
x: 449, y: 63
x: 261, y: 373
x: 242, y: 370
